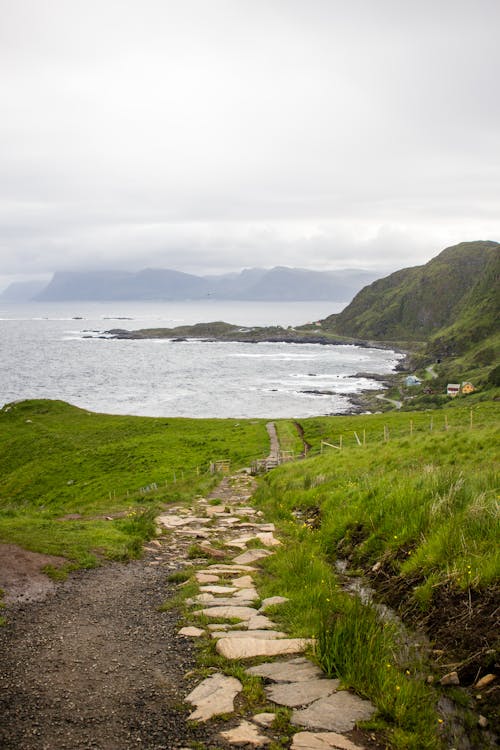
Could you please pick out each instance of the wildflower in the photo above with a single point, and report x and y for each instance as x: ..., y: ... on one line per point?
x: 407, y: 671
x: 440, y: 721
x: 395, y: 536
x: 397, y: 687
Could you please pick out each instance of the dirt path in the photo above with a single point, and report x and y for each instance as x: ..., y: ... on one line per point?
x: 396, y: 404
x: 95, y: 666
x: 274, y: 444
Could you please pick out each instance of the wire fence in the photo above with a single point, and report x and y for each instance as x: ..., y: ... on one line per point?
x: 385, y: 432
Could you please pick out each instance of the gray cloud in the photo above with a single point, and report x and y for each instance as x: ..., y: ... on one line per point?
x: 211, y: 136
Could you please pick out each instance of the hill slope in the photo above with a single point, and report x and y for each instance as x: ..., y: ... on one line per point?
x: 457, y: 288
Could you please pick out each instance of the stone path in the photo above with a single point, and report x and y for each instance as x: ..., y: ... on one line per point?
x: 221, y: 524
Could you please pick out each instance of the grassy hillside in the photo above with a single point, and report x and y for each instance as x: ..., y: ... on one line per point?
x: 407, y: 504
x: 63, y: 470
x: 415, y: 303
x: 413, y: 509
x: 475, y: 328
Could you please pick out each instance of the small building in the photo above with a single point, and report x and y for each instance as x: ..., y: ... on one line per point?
x: 412, y: 380
x: 467, y: 387
x: 453, y: 389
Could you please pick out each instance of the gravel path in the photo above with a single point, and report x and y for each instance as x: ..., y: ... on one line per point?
x: 95, y: 666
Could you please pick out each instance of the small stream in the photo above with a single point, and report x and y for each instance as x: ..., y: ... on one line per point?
x: 415, y: 647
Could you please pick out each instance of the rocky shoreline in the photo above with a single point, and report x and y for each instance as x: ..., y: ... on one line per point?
x: 361, y: 402
x: 221, y: 331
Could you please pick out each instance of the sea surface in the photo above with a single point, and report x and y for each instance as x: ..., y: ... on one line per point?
x: 56, y: 351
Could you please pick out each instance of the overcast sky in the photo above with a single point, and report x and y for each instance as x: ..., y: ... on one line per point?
x: 211, y: 135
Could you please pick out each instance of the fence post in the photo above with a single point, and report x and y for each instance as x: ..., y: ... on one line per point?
x: 364, y: 437
x: 432, y: 424
x: 411, y: 427
x: 340, y: 441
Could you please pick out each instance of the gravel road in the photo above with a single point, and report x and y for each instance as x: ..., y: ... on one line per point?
x: 95, y: 666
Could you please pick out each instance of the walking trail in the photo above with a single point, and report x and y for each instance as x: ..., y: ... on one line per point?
x: 97, y: 666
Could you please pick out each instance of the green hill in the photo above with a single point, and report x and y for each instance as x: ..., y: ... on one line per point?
x: 476, y: 318
x: 454, y: 291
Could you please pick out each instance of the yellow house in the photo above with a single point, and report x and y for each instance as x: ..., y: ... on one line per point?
x: 467, y: 388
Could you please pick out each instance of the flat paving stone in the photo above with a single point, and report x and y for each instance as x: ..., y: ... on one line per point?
x: 247, y: 648
x: 242, y: 613
x: 267, y: 538
x: 214, y: 510
x: 261, y: 622
x: 192, y: 632
x: 226, y: 568
x: 293, y: 670
x: 218, y: 589
x: 250, y: 593
x: 245, y: 734
x: 337, y: 713
x: 294, y: 694
x: 243, y: 582
x: 214, y: 696
x: 252, y: 555
x: 264, y: 719
x: 220, y: 601
x: 271, y: 601
x: 258, y: 526
x: 173, y: 522
x: 218, y: 627
x: 265, y: 634
x: 207, y: 578
x: 322, y: 741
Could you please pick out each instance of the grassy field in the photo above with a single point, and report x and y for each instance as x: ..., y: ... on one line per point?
x: 407, y: 499
x: 58, y: 461
x: 417, y: 505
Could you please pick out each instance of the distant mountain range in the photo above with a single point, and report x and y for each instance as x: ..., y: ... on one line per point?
x: 260, y: 284
x: 22, y: 291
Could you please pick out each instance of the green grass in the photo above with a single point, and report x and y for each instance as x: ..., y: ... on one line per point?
x: 352, y: 643
x: 57, y: 460
x: 423, y: 503
x: 428, y: 500
x: 289, y: 437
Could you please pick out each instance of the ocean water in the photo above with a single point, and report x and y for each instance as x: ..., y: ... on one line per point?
x: 54, y: 350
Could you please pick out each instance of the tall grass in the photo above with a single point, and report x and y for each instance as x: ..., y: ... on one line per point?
x: 356, y: 646
x: 423, y: 505
x: 351, y: 641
